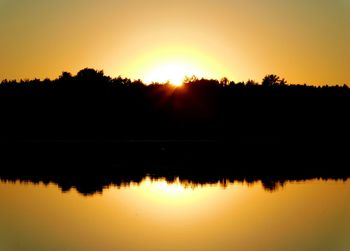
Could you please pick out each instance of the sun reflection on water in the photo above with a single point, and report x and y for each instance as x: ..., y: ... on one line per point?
x: 157, y: 214
x: 177, y: 200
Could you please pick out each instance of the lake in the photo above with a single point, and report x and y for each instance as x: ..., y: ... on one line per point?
x: 159, y: 215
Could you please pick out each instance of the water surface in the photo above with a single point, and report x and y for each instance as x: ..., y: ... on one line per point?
x: 157, y: 215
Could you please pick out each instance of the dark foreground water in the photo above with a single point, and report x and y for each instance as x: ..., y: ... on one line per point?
x: 157, y: 215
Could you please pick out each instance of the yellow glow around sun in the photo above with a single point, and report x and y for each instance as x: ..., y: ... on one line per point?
x: 175, y: 193
x: 172, y: 64
x: 165, y: 188
x: 173, y: 72
x: 174, y: 201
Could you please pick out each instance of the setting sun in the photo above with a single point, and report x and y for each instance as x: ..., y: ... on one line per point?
x: 173, y: 63
x: 172, y: 72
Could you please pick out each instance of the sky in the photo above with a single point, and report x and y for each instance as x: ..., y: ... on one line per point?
x: 159, y: 40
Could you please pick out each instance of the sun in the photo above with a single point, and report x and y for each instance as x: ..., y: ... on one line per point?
x: 172, y: 72
x: 172, y: 63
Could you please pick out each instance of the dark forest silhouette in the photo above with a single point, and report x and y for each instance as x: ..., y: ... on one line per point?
x: 91, y: 166
x: 92, y: 106
x: 89, y: 131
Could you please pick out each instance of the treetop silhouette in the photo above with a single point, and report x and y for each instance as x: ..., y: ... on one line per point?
x: 93, y: 106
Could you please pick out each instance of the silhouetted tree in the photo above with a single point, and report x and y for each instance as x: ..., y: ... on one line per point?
x: 283, y: 82
x: 188, y: 80
x: 272, y: 80
x: 65, y: 76
x: 224, y: 81
x: 90, y: 74
x: 251, y: 82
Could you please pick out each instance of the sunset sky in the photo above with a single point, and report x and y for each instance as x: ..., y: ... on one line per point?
x: 155, y: 40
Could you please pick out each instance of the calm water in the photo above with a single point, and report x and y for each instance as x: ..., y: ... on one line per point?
x: 156, y: 215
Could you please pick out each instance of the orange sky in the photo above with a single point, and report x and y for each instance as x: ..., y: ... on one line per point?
x: 302, y: 41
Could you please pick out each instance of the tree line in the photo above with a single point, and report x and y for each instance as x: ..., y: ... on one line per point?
x: 89, y: 75
x: 92, y: 106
